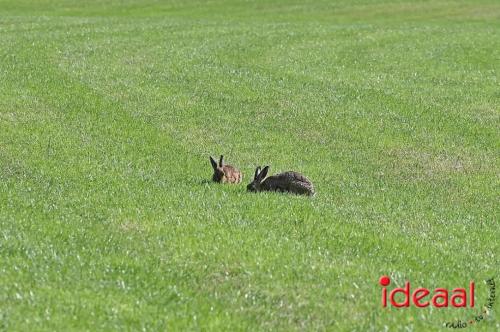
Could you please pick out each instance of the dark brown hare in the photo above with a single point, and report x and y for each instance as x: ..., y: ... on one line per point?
x: 292, y: 182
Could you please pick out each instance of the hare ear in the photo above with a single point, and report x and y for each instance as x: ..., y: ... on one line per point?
x: 213, y: 162
x: 263, y: 174
x: 221, y: 161
x: 257, y: 171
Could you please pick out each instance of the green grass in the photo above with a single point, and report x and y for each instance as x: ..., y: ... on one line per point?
x: 110, y: 109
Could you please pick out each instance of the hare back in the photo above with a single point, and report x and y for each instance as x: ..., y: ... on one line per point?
x: 289, y: 182
x: 232, y: 174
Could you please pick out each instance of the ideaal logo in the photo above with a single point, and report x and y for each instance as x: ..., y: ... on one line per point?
x: 419, y: 297
x: 439, y: 298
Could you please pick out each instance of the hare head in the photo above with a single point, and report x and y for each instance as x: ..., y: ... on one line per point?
x: 219, y: 174
x: 259, y: 176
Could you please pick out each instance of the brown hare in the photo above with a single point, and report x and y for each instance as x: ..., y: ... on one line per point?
x: 225, y: 173
x: 284, y: 182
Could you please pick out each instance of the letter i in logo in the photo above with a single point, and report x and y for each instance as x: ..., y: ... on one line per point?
x: 384, y: 281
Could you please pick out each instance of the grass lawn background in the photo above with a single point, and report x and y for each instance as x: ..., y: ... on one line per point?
x: 110, y: 109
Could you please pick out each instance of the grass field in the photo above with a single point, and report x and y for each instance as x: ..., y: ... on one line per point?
x: 110, y: 109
